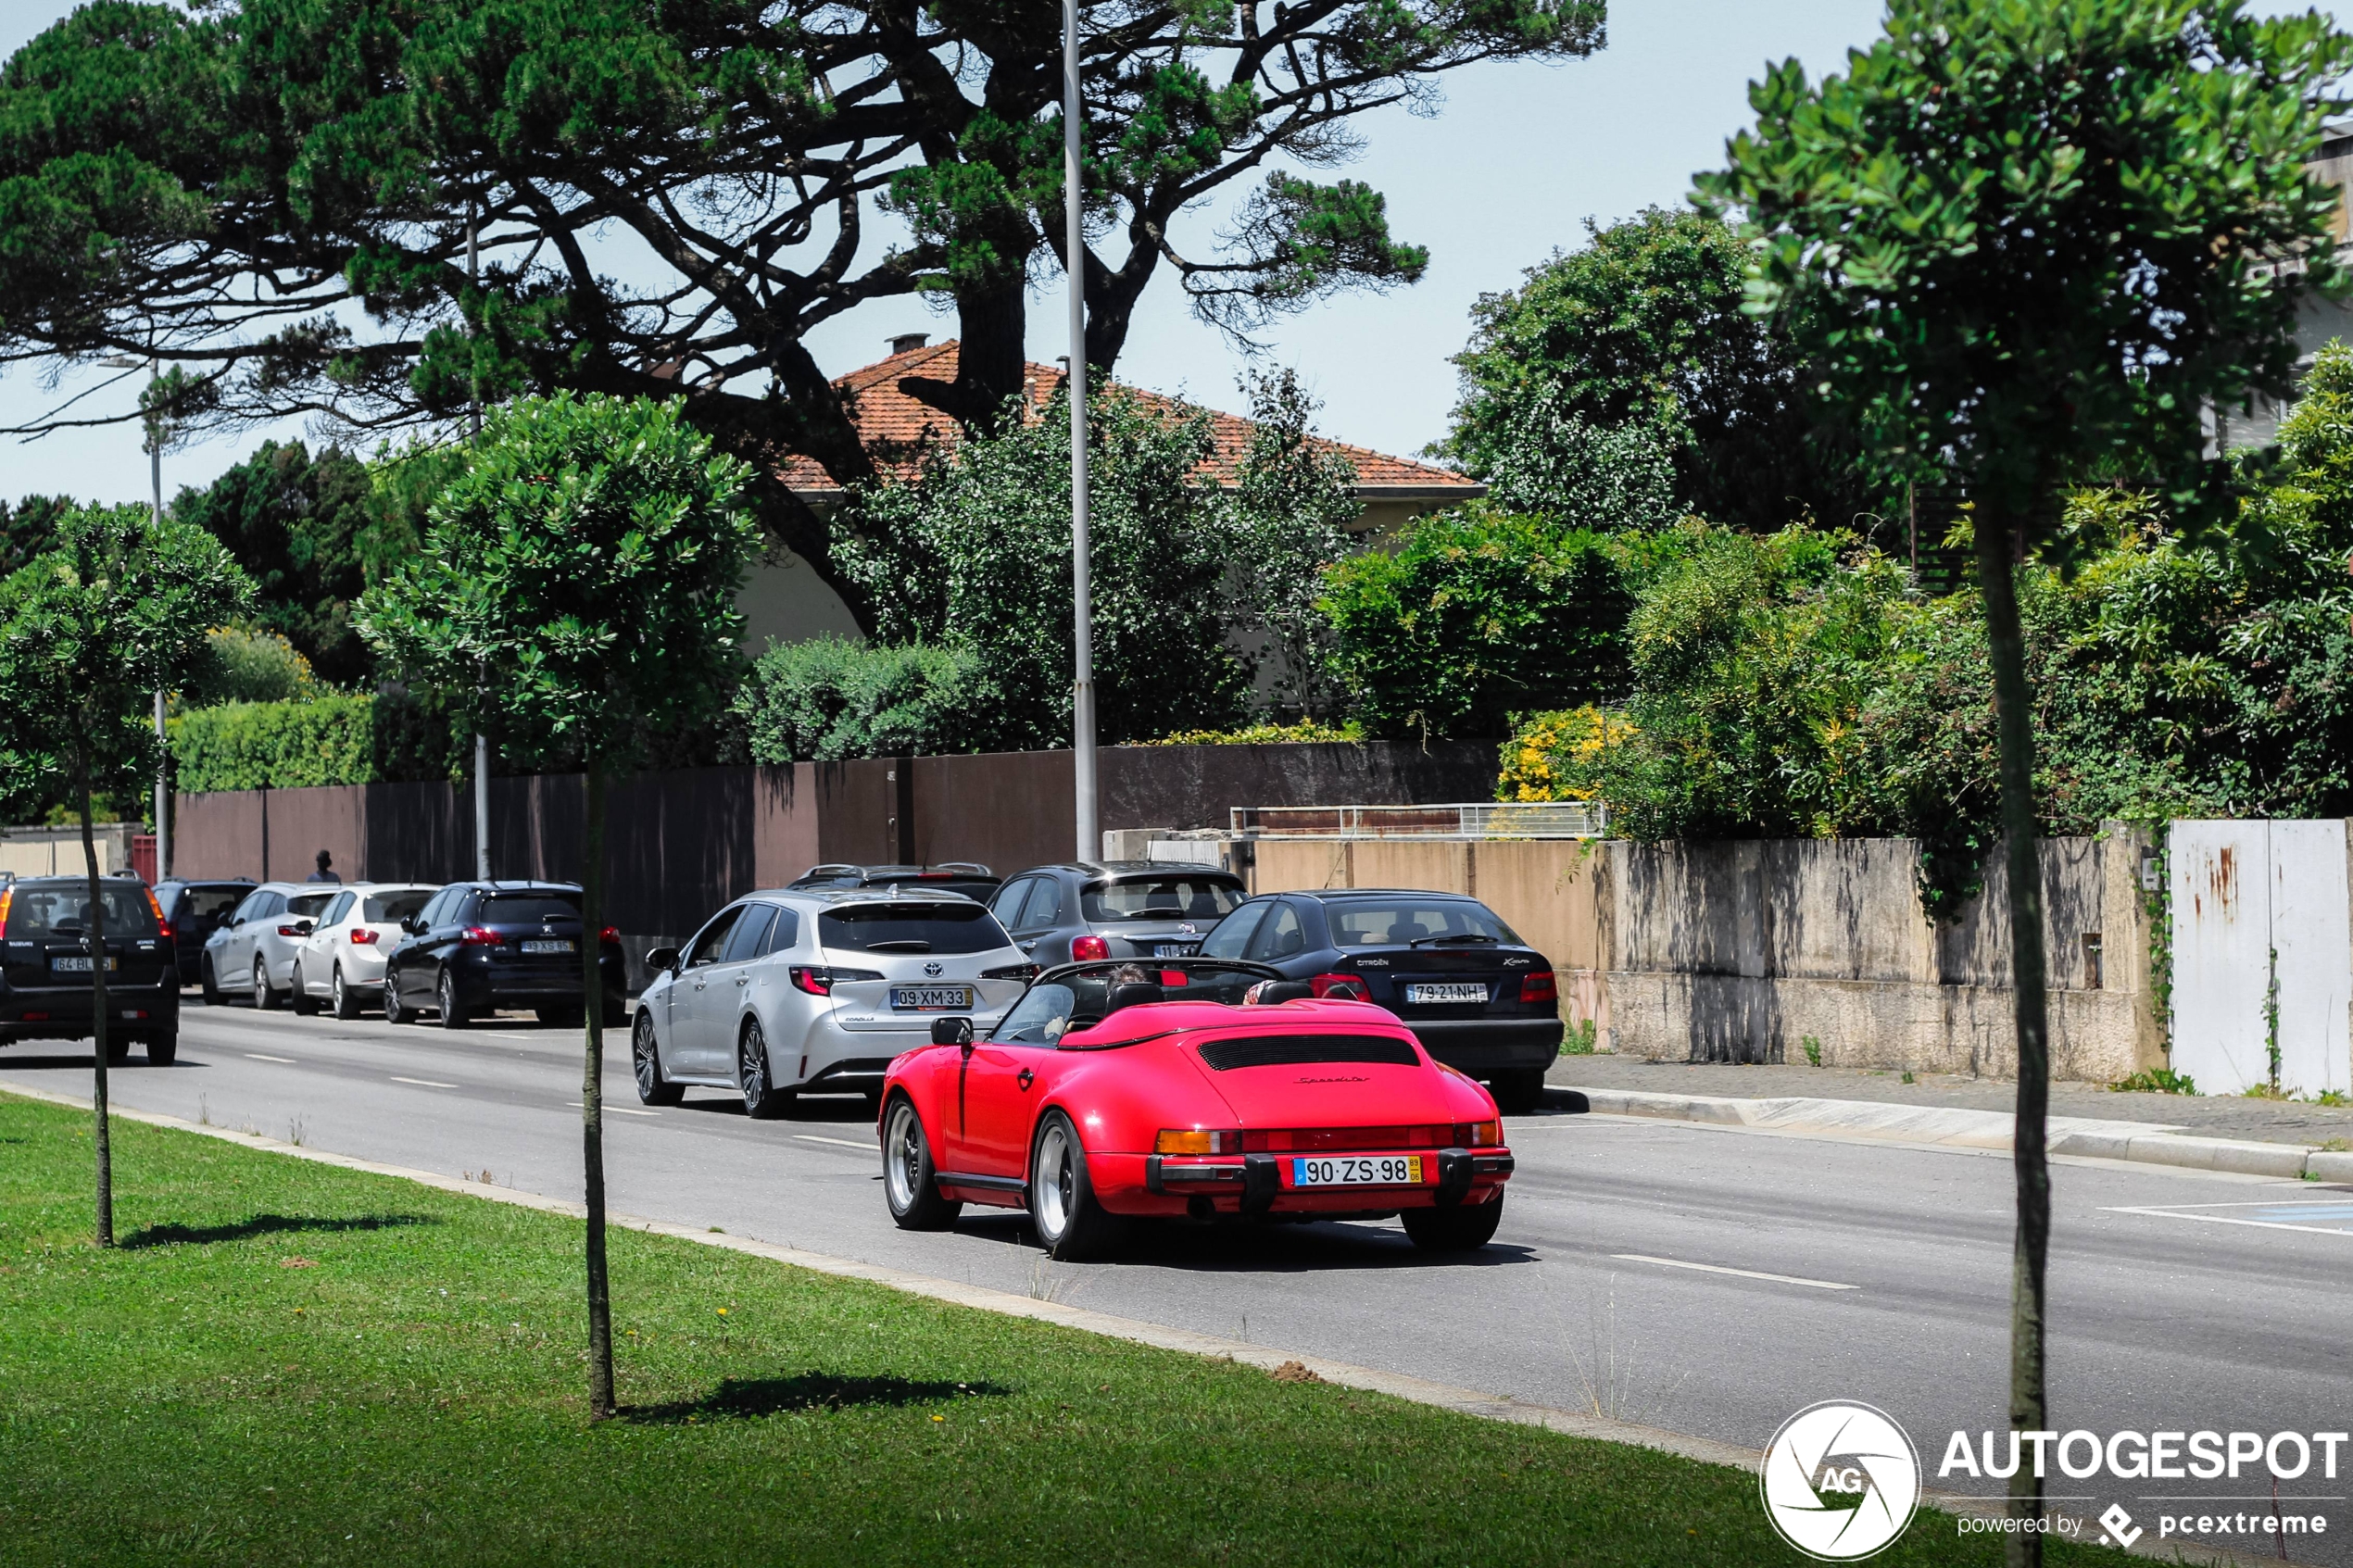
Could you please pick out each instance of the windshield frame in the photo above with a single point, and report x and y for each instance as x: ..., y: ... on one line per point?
x: 1061, y: 973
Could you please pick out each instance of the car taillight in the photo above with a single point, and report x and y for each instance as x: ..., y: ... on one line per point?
x: 1538, y: 986
x: 821, y: 982
x: 479, y: 936
x: 1084, y: 949
x: 365, y: 936
x: 1196, y: 1140
x: 7, y: 895
x: 290, y: 931
x: 610, y: 937
x: 1339, y: 987
x: 1478, y: 1134
x: 163, y: 926
x: 1011, y: 971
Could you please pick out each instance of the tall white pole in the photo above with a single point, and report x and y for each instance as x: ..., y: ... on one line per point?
x: 163, y: 758
x: 482, y: 742
x: 1082, y: 689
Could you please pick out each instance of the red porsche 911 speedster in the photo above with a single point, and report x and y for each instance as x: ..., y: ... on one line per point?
x: 1188, y: 1087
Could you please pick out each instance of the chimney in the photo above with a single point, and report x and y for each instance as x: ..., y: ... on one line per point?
x: 907, y: 343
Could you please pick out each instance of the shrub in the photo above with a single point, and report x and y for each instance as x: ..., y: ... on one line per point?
x: 829, y: 698
x: 246, y: 665
x: 397, y: 736
x: 1307, y: 731
x: 2155, y: 1081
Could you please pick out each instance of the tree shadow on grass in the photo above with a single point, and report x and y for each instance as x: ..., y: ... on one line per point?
x: 268, y: 1224
x: 810, y: 1391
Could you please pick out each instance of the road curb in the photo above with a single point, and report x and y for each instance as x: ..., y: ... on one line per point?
x: 1414, y: 1390
x: 1880, y: 1120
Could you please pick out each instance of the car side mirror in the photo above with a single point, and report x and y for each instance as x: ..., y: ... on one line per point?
x: 662, y: 958
x: 952, y: 1031
x: 408, y: 923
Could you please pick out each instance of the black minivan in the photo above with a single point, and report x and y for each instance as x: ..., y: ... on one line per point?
x: 478, y: 947
x: 45, y: 966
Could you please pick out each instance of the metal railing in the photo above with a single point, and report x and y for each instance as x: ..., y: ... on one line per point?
x: 1486, y: 819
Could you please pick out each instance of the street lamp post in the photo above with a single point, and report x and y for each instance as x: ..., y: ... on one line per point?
x: 473, y: 400
x: 163, y: 761
x: 1082, y: 688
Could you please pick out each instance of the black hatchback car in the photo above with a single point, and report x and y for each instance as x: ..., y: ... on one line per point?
x: 1477, y: 997
x: 45, y: 966
x: 194, y: 911
x: 1088, y: 909
x: 479, y: 946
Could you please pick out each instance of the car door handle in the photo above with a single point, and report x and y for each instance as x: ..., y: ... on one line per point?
x: 1023, y: 1078
x: 743, y: 980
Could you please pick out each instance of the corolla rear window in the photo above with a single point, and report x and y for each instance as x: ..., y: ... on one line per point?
x: 40, y: 910
x: 1401, y: 922
x: 522, y: 908
x: 383, y: 908
x: 911, y: 928
x: 1161, y: 898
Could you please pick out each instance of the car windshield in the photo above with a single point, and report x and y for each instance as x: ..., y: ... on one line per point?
x: 1161, y: 898
x: 911, y: 928
x: 207, y: 907
x: 1082, y: 999
x: 526, y: 909
x: 1424, y: 922
x: 390, y: 908
x: 48, y: 909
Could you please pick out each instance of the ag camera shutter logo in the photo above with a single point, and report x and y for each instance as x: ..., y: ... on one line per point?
x: 1840, y: 1481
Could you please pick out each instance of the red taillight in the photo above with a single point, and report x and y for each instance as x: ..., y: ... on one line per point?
x: 479, y: 936
x: 609, y: 935
x: 163, y: 929
x: 1085, y: 949
x: 290, y: 931
x: 1172, y: 977
x: 816, y: 982
x: 163, y: 926
x: 7, y: 894
x: 1341, y: 987
x: 1538, y: 986
x: 365, y: 936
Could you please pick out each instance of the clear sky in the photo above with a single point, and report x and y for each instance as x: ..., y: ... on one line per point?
x: 1510, y: 169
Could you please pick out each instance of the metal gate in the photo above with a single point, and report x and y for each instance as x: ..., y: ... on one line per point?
x: 2262, y: 955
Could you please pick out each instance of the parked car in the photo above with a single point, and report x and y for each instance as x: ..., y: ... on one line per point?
x: 1115, y: 908
x: 1477, y: 997
x: 968, y: 877
x: 1188, y: 1087
x: 194, y: 910
x: 814, y: 990
x: 253, y: 949
x: 478, y: 947
x: 45, y: 958
x: 341, y: 963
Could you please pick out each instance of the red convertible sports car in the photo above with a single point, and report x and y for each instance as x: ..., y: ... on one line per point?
x: 1188, y: 1087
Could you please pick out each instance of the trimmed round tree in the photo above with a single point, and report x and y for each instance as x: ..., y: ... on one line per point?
x: 2031, y: 243
x: 578, y: 581
x: 116, y: 609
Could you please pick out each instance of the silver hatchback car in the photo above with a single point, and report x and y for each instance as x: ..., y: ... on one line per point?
x: 814, y: 990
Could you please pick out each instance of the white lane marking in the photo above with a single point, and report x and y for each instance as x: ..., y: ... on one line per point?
x: 2180, y: 1214
x: 282, y: 1060
x: 616, y: 1109
x: 1743, y: 1273
x: 839, y: 1143
x: 424, y: 1082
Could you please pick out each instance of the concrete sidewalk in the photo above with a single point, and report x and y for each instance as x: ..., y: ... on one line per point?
x: 2285, y: 1139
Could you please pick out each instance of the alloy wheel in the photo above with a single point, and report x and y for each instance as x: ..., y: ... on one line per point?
x: 1055, y: 1184
x: 903, y: 1157
x: 261, y: 985
x: 751, y: 1068
x: 641, y: 1058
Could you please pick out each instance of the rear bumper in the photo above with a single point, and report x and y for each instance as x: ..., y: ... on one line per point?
x: 482, y: 985
x: 1148, y: 1184
x: 1483, y: 1046
x: 834, y: 1059
x: 66, y: 1015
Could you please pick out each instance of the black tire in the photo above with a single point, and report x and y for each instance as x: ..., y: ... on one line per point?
x: 342, y: 999
x: 264, y: 999
x: 305, y: 1004
x: 117, y: 1047
x: 213, y: 996
x: 763, y: 1100
x: 1071, y: 1224
x: 652, y: 1088
x: 1464, y: 1227
x: 1518, y: 1092
x: 446, y: 994
x: 911, y: 1181
x: 395, y: 1011
x: 163, y: 1049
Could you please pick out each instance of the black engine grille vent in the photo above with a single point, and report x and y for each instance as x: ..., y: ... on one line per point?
x: 1298, y: 1050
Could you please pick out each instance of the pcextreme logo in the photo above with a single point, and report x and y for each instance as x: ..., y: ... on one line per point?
x: 1840, y: 1480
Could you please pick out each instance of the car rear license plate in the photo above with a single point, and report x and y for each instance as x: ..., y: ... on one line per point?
x: 931, y: 998
x: 79, y: 963
x: 1358, y: 1170
x: 1455, y: 992
x: 1174, y: 950
x: 558, y: 944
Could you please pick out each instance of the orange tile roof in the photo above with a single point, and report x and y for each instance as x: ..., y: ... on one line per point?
x: 896, y: 426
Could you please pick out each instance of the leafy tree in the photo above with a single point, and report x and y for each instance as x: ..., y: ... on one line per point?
x: 274, y: 194
x: 585, y: 562
x: 305, y: 531
x: 1476, y: 615
x: 1291, y: 505
x: 830, y: 699
x: 27, y: 528
x: 114, y: 609
x: 1622, y: 384
x: 2030, y: 240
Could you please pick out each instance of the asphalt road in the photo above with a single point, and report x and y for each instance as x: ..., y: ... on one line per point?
x: 1605, y: 1289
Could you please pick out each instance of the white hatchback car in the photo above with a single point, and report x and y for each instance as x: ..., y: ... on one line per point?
x: 340, y: 962
x: 814, y: 990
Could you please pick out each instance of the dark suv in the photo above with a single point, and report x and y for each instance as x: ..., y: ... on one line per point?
x: 45, y: 966
x: 478, y: 947
x: 194, y: 911
x: 1115, y: 908
x: 968, y: 877
x: 1477, y: 997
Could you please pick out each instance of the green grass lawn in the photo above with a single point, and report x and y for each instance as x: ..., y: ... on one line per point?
x: 290, y: 1363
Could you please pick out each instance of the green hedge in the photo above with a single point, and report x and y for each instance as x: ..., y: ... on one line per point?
x: 328, y: 740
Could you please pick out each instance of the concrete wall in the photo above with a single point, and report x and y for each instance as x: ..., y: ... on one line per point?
x: 30, y: 851
x: 1741, y: 951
